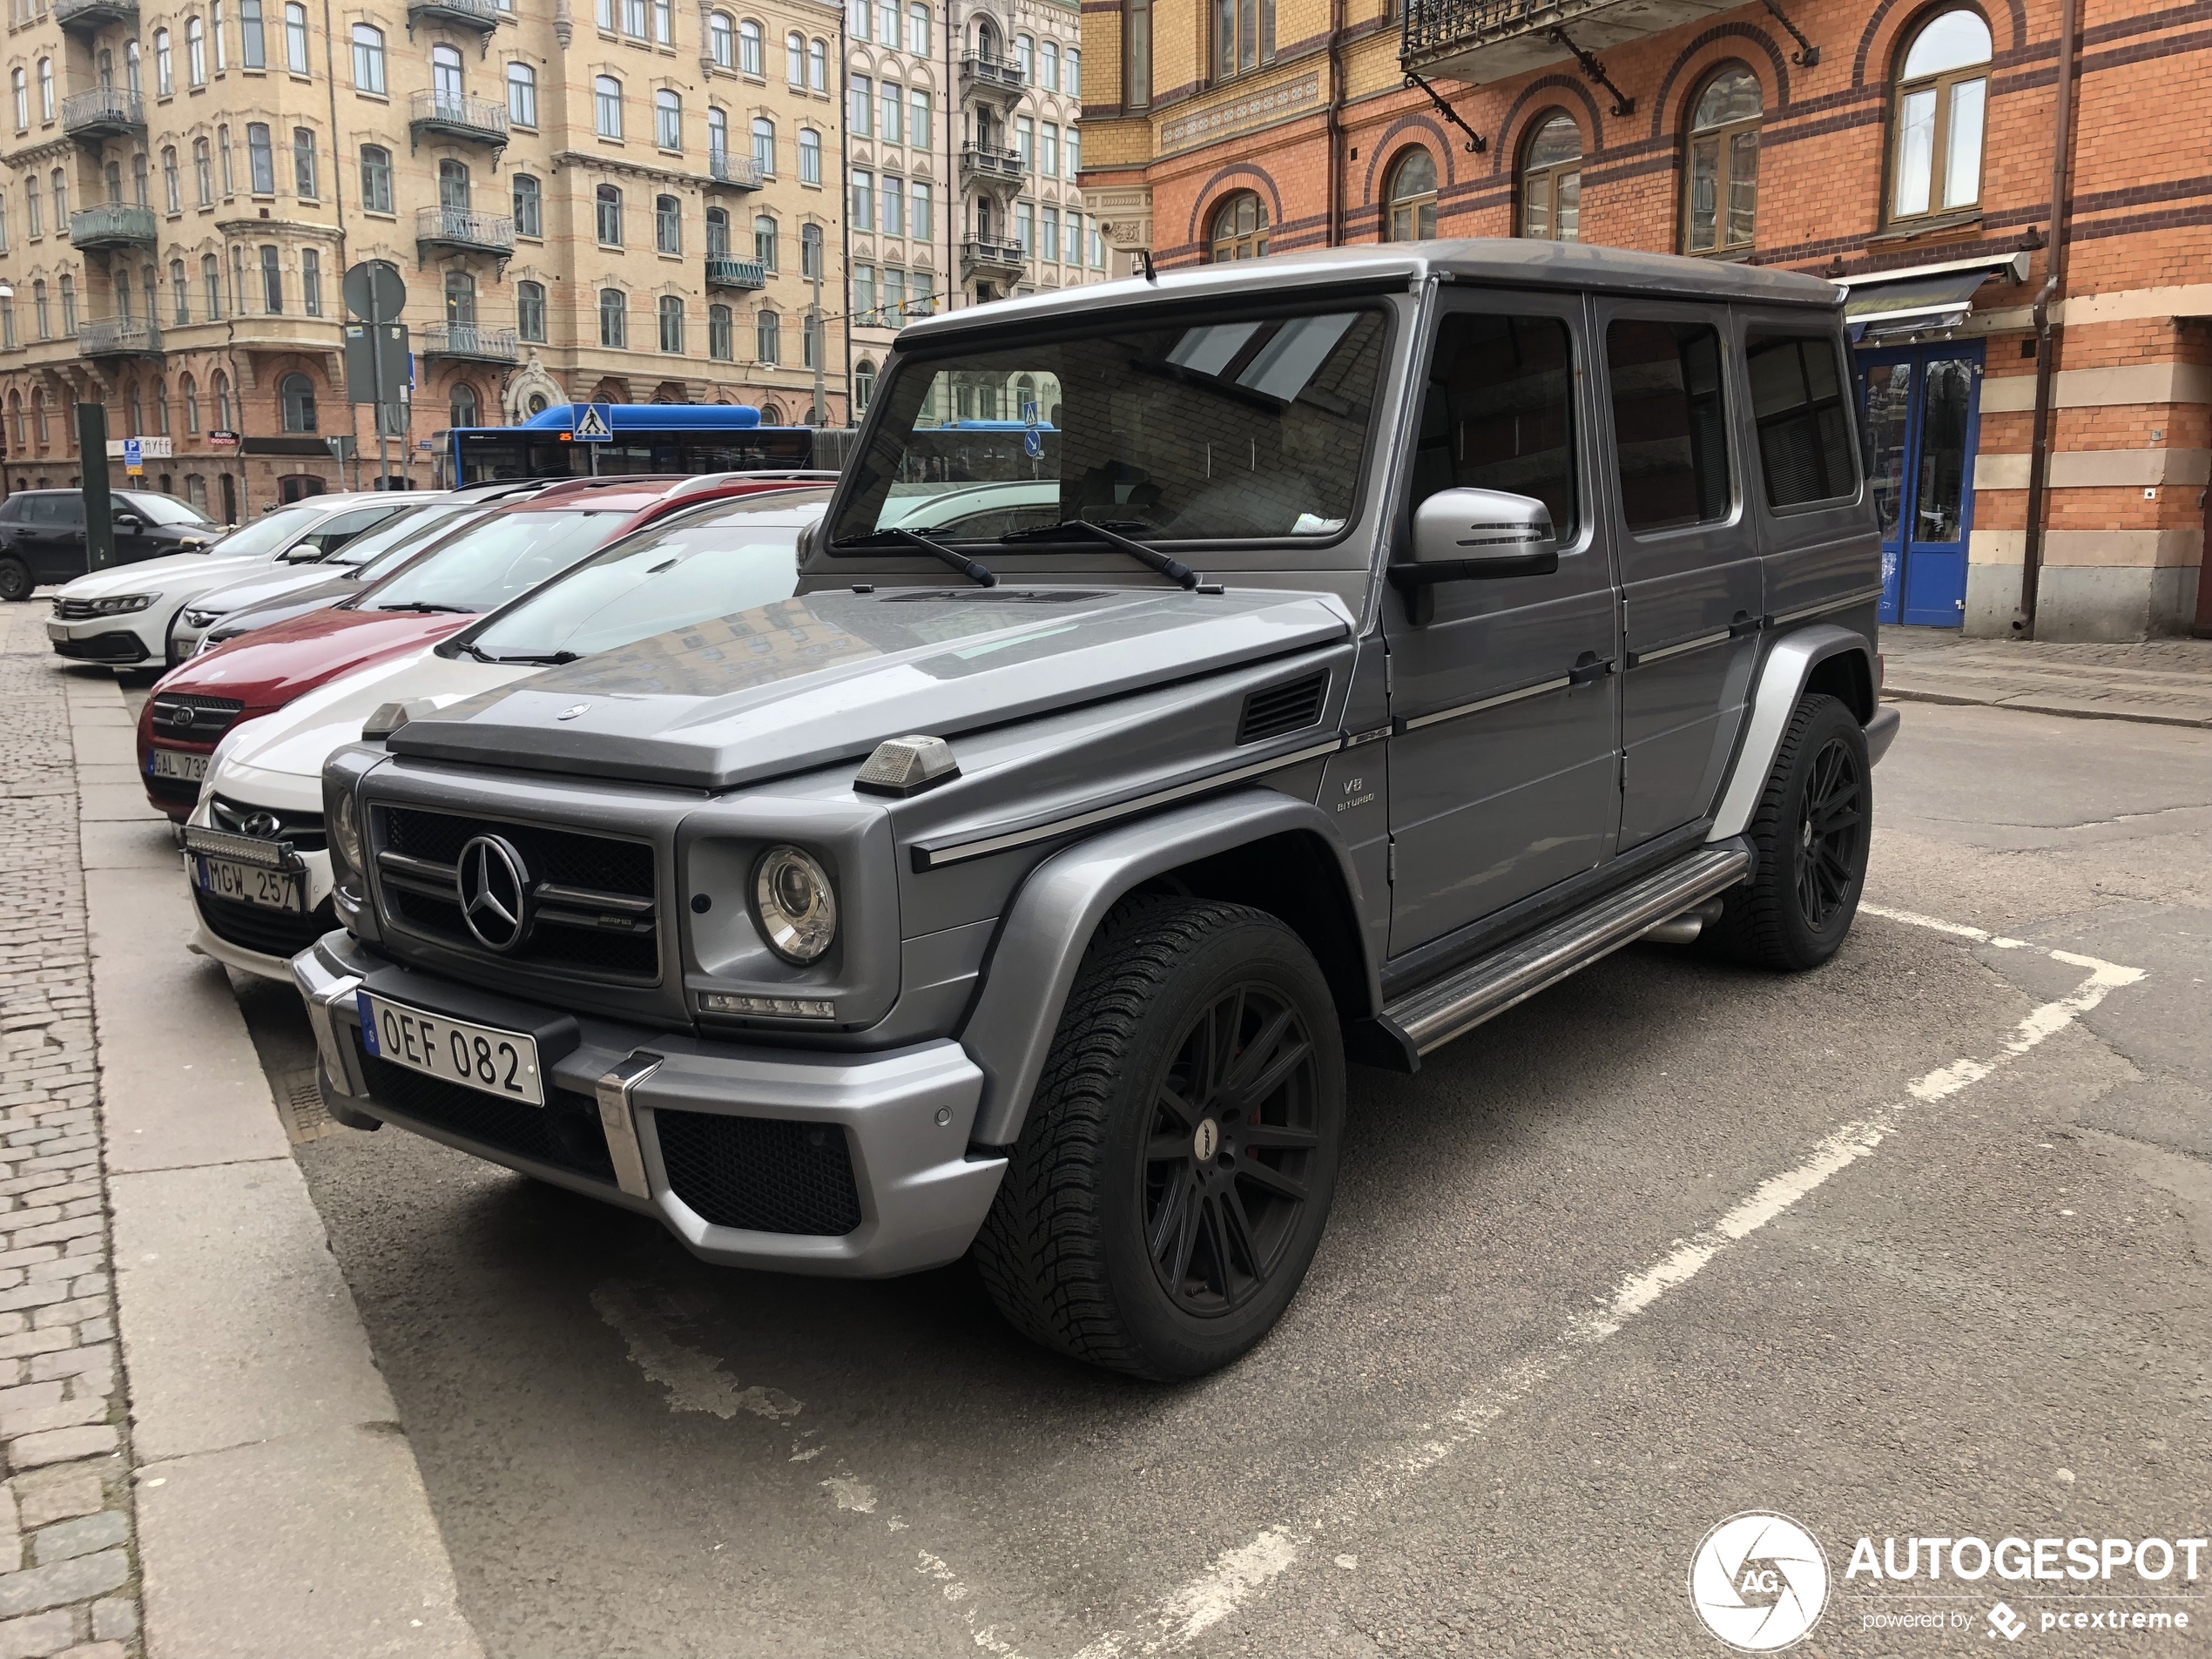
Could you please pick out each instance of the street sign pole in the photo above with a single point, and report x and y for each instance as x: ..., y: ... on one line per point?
x: 375, y: 294
x: 99, y: 506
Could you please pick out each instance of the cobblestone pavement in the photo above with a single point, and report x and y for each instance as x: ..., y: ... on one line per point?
x: 2165, y: 682
x: 68, y: 1576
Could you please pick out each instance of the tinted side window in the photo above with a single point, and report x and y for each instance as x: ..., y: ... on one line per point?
x: 11, y: 510
x: 1499, y: 413
x: 1797, y: 390
x: 1670, y: 426
x: 65, y: 510
x: 342, y: 528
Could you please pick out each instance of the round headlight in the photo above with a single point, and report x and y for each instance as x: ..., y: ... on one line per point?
x: 346, y: 831
x: 796, y: 905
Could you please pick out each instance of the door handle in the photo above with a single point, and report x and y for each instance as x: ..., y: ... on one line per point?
x: 1745, y: 623
x: 1588, y: 668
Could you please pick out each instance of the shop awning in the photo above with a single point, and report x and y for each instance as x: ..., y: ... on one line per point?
x: 1928, y: 299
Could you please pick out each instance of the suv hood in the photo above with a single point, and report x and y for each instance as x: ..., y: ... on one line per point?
x: 258, y: 585
x: 197, y: 572
x: 827, y: 675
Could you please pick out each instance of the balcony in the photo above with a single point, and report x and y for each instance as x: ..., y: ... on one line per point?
x: 90, y: 16
x: 739, y: 172
x: 446, y: 115
x: 992, y: 259
x: 118, y: 337
x: 994, y: 166
x: 104, y: 112
x: 735, y: 273
x: 111, y: 225
x: 467, y: 340
x: 482, y: 14
x: 467, y: 233
x: 992, y: 75
x: 1488, y: 40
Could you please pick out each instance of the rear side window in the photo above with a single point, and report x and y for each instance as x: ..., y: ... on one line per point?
x: 1499, y: 413
x: 342, y: 530
x: 1797, y: 389
x: 1670, y: 422
x: 11, y: 510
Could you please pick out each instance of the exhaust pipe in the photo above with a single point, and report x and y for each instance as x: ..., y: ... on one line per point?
x: 1683, y: 929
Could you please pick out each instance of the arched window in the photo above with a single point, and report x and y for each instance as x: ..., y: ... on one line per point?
x: 810, y: 252
x: 376, y: 178
x: 769, y: 345
x: 211, y: 278
x: 369, y: 58
x: 863, y: 384
x: 164, y: 73
x: 1240, y: 229
x: 38, y: 413
x: 1551, y: 181
x: 763, y: 241
x: 771, y: 415
x: 297, y: 393
x: 749, y: 52
x: 137, y: 415
x: 462, y: 400
x: 179, y: 293
x: 160, y: 396
x: 1025, y: 56
x: 721, y: 345
x: 195, y: 51
x: 764, y: 145
x: 45, y: 88
x: 717, y: 232
x: 671, y: 324
x: 19, y: 85
x: 810, y: 156
x: 173, y: 181
x: 453, y: 185
x: 203, y: 173
x: 295, y: 38
x: 668, y: 120
x: 608, y: 199
x: 1049, y: 67
x: 522, y: 95
x: 445, y: 79
x: 190, y: 388
x: 461, y: 298
x: 818, y: 66
x: 1943, y: 97
x: 668, y: 225
x: 717, y: 135
x: 223, y: 421
x: 614, y: 318
x: 1411, y: 194
x: 721, y: 40
x: 795, y: 58
x: 606, y: 103
x: 530, y: 310
x: 1722, y: 210
x: 529, y: 217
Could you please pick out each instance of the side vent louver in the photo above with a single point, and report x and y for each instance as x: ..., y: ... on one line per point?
x: 1279, y: 709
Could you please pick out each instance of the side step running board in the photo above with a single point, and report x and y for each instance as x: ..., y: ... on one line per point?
x: 1427, y: 1019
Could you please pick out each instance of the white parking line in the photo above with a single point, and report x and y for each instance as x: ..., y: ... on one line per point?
x: 1236, y: 1576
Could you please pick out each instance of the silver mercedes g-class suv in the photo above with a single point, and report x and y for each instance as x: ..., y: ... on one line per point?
x: 1197, y: 683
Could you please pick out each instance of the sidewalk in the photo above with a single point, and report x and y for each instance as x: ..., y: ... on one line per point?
x: 2165, y: 682
x: 233, y: 1484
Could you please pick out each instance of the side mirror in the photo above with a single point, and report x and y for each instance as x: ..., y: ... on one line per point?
x: 1473, y: 535
x: 130, y: 522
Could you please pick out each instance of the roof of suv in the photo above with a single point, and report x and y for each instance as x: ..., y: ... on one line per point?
x: 1519, y: 262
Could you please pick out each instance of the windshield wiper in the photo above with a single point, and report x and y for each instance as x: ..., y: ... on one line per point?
x: 427, y: 608
x: 1175, y: 570
x: 981, y: 575
x: 550, y: 659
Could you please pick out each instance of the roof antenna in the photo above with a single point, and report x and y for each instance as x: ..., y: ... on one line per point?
x: 1144, y: 265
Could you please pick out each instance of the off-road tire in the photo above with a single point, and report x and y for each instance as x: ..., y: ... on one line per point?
x: 15, y: 580
x: 1769, y: 921
x: 1064, y: 1251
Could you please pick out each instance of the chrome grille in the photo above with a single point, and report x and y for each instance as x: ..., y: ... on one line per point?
x: 303, y: 829
x: 183, y: 718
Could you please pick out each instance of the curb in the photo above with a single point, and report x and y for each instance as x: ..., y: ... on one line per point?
x: 1892, y: 693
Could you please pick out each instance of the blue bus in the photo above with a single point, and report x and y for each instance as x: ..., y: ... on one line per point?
x: 648, y: 438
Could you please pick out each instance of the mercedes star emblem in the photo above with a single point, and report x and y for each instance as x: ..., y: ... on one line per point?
x: 572, y: 710
x: 495, y: 887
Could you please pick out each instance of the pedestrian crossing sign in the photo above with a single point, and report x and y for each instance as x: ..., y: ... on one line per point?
x: 594, y: 423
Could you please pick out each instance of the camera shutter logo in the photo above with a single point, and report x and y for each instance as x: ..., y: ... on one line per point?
x: 494, y: 892
x: 1759, y: 1581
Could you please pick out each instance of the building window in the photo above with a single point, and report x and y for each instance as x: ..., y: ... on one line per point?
x: 614, y: 323
x: 886, y: 23
x: 895, y: 205
x: 1240, y: 229
x: 863, y: 386
x: 21, y: 84
x: 180, y: 294
x: 445, y: 80
x: 810, y: 156
x: 461, y: 298
x: 1136, y: 53
x: 223, y: 421
x: 454, y: 186
x: 668, y: 120
x: 665, y: 21
x: 764, y: 145
x: 609, y: 216
x: 528, y: 220
x: 856, y: 18
x: 530, y: 310
x: 671, y: 323
x: 173, y: 181
x: 633, y: 18
x: 191, y: 390
x: 1721, y: 210
x: 1049, y: 67
x: 817, y: 66
x: 863, y: 209
x: 1025, y: 142
x: 223, y: 150
x: 1667, y: 414
x: 273, y: 287
x: 918, y: 29
x: 864, y: 297
x: 260, y: 159
x: 918, y: 119
x: 164, y: 79
x: 721, y: 39
x: 522, y: 95
x: 720, y: 344
x: 203, y: 173
x: 795, y: 58
x: 211, y: 277
x: 1411, y: 194
x: 311, y: 282
x: 717, y: 232
x: 303, y: 163
x: 297, y: 393
x: 764, y: 242
x: 1025, y: 56
x: 1244, y: 36
x: 1551, y: 181
x: 768, y: 338
x: 376, y: 178
x: 1025, y: 235
x: 810, y: 252
x: 918, y: 202
x: 462, y: 403
x: 215, y: 30
x: 860, y: 117
x: 253, y: 52
x: 749, y: 58
x: 195, y: 51
x: 295, y: 38
x: 1942, y: 96
x: 894, y: 124
x: 607, y: 106
x: 668, y: 225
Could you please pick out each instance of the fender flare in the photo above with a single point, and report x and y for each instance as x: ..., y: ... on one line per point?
x: 1050, y: 924
x: 1781, y: 681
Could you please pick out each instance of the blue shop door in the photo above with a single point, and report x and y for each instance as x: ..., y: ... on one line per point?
x: 1923, y: 420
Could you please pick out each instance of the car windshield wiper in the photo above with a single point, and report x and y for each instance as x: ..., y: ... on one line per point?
x: 1173, y: 570
x: 428, y: 607
x: 981, y: 574
x: 550, y: 659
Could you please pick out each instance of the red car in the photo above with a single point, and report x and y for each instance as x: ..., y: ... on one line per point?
x: 479, y: 567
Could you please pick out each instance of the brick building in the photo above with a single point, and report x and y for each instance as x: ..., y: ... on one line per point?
x: 1905, y: 149
x: 624, y: 200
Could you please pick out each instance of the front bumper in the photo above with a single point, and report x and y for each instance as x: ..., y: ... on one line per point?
x: 100, y: 640
x: 255, y: 940
x: 904, y: 1118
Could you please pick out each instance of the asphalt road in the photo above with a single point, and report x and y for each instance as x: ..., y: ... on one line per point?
x: 1670, y: 1242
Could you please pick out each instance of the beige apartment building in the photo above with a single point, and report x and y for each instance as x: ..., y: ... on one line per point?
x: 635, y: 202
x: 962, y: 117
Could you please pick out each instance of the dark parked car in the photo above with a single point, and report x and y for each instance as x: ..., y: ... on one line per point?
x: 42, y: 534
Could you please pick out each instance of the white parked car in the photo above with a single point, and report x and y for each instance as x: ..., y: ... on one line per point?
x: 265, y: 781
x: 122, y: 615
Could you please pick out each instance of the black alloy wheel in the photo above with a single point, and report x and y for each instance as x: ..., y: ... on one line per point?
x: 15, y: 582
x: 1226, y: 1164
x: 1831, y: 828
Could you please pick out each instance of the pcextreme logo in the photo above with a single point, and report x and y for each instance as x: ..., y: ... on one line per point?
x: 1759, y: 1581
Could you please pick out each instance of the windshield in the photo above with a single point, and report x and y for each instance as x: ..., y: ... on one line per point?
x: 729, y: 558
x: 275, y: 531
x: 163, y: 510
x: 485, y: 567
x: 1201, y: 431
x: 390, y: 546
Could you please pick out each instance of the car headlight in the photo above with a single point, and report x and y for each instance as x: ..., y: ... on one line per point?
x: 201, y: 618
x: 346, y: 831
x: 794, y: 903
x: 119, y: 604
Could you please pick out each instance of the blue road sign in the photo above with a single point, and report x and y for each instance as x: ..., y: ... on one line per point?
x: 134, y: 460
x: 594, y: 423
